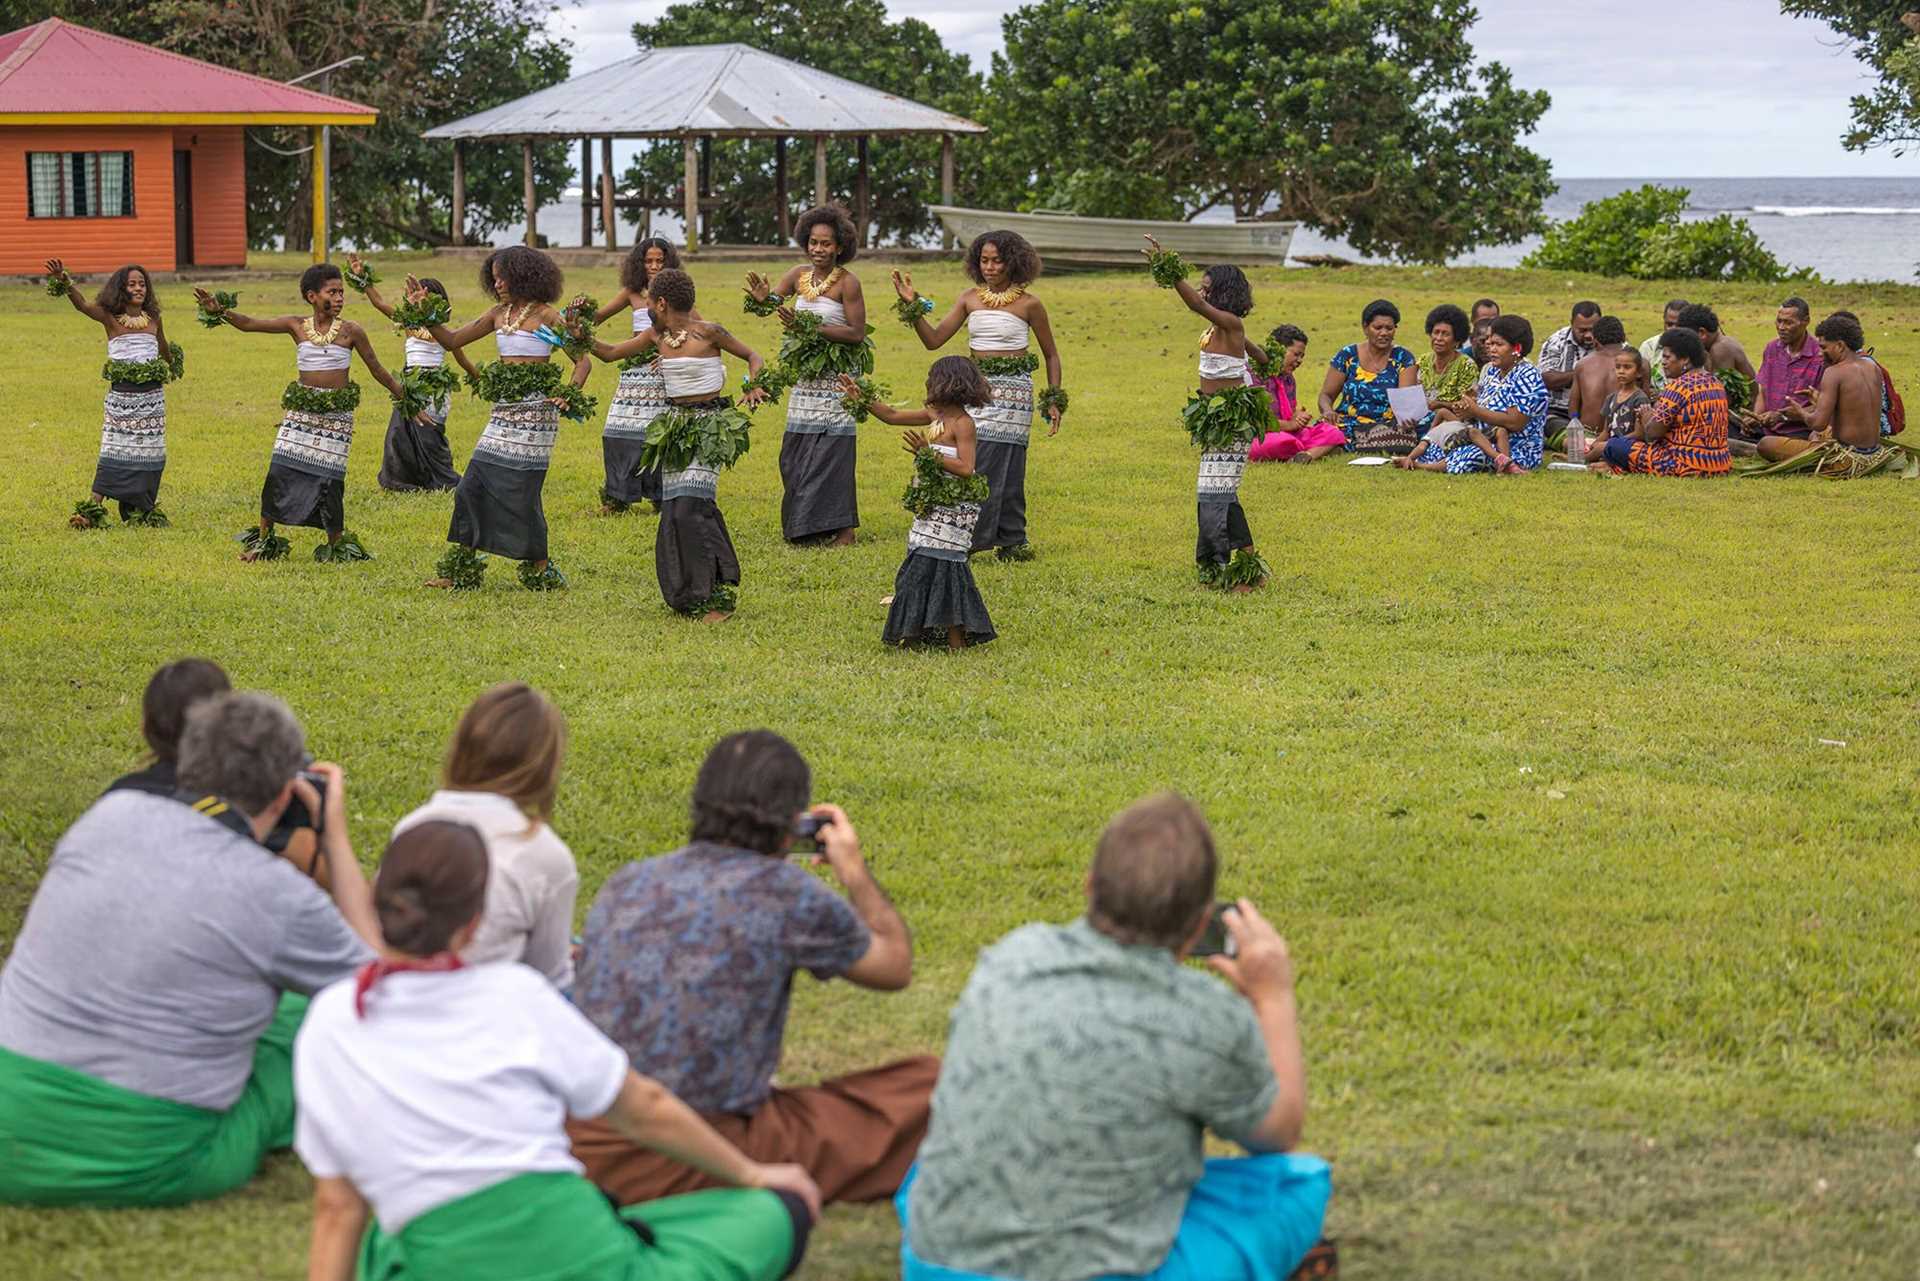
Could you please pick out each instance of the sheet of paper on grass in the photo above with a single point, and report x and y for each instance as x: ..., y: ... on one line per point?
x: 1409, y: 403
x: 1368, y: 460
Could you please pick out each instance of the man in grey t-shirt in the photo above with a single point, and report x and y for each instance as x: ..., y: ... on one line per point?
x: 144, y: 1036
x: 1084, y: 1063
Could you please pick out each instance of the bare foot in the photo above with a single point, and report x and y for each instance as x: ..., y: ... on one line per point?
x: 715, y: 616
x: 249, y: 556
x: 78, y: 521
x: 441, y: 584
x: 842, y: 539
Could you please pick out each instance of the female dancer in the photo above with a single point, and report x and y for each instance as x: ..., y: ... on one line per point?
x: 817, y: 451
x: 1223, y: 416
x: 307, y: 479
x: 700, y: 435
x: 416, y: 455
x: 641, y: 394
x: 497, y: 507
x: 133, y: 434
x: 934, y: 597
x: 999, y: 314
x: 429, y: 1100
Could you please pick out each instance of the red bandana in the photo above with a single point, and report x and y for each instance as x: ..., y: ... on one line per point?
x: 373, y: 971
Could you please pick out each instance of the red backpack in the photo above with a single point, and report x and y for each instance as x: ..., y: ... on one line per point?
x: 1890, y: 403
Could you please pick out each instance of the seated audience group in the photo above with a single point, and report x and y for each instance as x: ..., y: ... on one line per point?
x: 1683, y: 402
x: 478, y: 1096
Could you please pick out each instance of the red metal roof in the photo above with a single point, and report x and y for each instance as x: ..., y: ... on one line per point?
x: 55, y: 68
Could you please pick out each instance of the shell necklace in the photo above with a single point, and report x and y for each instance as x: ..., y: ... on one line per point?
x: 993, y: 299
x: 319, y: 339
x: 511, y: 323
x: 674, y: 339
x: 810, y: 291
x: 138, y: 320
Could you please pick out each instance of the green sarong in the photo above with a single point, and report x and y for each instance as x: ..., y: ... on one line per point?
x: 67, y: 1138
x: 559, y: 1227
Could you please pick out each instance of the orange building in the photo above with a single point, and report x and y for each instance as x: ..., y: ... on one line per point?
x: 113, y: 152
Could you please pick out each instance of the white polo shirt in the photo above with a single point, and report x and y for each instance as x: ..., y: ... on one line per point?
x: 452, y: 1083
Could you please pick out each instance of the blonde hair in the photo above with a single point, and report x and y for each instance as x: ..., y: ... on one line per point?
x: 510, y: 741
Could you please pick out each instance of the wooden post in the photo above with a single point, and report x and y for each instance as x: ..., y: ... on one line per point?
x: 946, y: 184
x: 782, y: 215
x: 608, y: 214
x: 319, y: 194
x: 586, y: 193
x: 819, y: 169
x: 457, y: 228
x: 693, y: 193
x: 863, y: 197
x: 529, y: 199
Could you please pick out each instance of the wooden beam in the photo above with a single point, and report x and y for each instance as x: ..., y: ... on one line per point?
x: 607, y: 214
x: 692, y: 194
x: 862, y: 197
x: 819, y: 169
x: 319, y: 163
x: 586, y: 193
x: 947, y: 183
x: 457, y: 227
x: 783, y: 215
x: 529, y: 201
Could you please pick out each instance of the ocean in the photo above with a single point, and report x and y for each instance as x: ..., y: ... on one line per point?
x: 1847, y: 229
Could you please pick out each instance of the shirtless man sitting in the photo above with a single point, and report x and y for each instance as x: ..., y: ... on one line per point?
x: 1723, y: 350
x: 1848, y: 410
x: 1593, y: 375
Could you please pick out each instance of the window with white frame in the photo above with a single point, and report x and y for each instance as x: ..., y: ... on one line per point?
x: 80, y: 184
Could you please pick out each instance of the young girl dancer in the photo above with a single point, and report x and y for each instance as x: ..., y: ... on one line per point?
x: 307, y: 479
x: 934, y: 597
x: 817, y: 453
x: 140, y: 361
x: 1000, y: 315
x: 429, y: 1098
x: 700, y: 435
x: 497, y: 506
x: 642, y: 393
x: 1223, y: 417
x: 416, y: 455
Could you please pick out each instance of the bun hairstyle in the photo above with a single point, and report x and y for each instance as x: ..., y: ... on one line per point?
x: 432, y: 882
x: 957, y: 381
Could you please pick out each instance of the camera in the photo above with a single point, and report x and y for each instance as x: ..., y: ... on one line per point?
x: 806, y: 832
x: 296, y: 816
x: 1214, y: 940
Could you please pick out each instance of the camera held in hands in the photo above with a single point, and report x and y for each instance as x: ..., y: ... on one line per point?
x: 1215, y: 940
x: 296, y: 816
x: 806, y: 832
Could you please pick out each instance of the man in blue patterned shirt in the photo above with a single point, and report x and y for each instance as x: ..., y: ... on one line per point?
x: 688, y: 963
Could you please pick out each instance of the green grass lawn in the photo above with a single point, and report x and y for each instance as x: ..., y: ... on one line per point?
x: 1606, y: 958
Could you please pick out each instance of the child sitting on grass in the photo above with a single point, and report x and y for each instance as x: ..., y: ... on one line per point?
x: 1621, y: 411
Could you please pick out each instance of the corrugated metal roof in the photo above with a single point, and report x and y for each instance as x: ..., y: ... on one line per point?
x: 721, y: 89
x: 57, y: 68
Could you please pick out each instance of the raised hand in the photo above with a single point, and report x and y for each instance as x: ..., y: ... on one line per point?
x: 56, y: 268
x: 913, y: 441
x: 759, y: 286
x: 208, y: 302
x: 903, y: 285
x: 416, y: 292
x: 1154, y: 247
x: 358, y: 267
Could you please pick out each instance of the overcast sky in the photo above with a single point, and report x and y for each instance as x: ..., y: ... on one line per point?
x: 1761, y: 94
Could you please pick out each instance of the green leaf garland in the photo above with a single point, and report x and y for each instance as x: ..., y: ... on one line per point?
x: 683, y: 435
x: 1167, y: 268
x: 1228, y: 418
x: 59, y: 286
x: 499, y: 382
x: 910, y: 312
x: 321, y: 400
x: 358, y: 283
x: 1049, y: 399
x: 421, y: 388
x: 761, y: 307
x: 806, y: 354
x: 168, y: 368
x: 434, y: 309
x: 225, y: 300
x: 934, y: 486
x: 272, y: 547
x: 578, y: 315
x: 1007, y: 366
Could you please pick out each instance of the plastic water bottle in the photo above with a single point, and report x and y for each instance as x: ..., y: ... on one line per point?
x: 1576, y: 441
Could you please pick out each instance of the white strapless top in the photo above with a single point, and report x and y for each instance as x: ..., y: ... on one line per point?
x: 948, y: 450
x: 989, y: 330
x: 1215, y: 366
x: 312, y: 356
x: 829, y: 311
x: 642, y: 320
x: 519, y: 342
x: 692, y: 375
x: 133, y: 347
x: 425, y: 353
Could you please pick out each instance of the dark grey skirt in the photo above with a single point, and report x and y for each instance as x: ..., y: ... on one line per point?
x: 497, y: 509
x: 294, y: 497
x: 818, y: 472
x: 932, y: 594
x: 626, y: 482
x: 1003, y: 517
x: 1223, y: 530
x: 693, y: 553
x: 135, y: 489
x: 416, y: 457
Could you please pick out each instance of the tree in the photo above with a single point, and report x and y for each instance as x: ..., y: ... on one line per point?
x: 426, y: 62
x: 850, y: 38
x: 1641, y: 234
x: 1367, y: 119
x: 1888, y: 40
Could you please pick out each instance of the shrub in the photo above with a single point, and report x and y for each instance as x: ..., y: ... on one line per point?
x: 1641, y: 234
x: 1109, y: 193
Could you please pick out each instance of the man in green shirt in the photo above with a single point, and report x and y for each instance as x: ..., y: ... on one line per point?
x: 1084, y: 1064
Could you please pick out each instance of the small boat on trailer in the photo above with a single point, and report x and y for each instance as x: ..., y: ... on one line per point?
x: 1071, y: 239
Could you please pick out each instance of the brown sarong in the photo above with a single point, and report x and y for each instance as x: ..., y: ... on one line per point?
x: 856, y: 1135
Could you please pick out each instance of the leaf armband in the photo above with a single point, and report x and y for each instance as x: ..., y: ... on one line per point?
x: 225, y: 301
x: 934, y: 486
x: 576, y: 326
x: 358, y: 281
x: 910, y: 312
x: 761, y: 306
x: 772, y: 379
x: 176, y: 361
x: 59, y: 286
x: 859, y: 402
x: 1007, y: 366
x: 320, y: 400
x: 1049, y: 400
x: 1227, y: 419
x: 434, y: 309
x: 1167, y: 267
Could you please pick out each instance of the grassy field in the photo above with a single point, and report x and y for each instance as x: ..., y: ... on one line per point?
x: 1606, y: 953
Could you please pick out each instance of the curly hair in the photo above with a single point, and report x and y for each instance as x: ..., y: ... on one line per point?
x: 530, y: 275
x: 1023, y: 264
x: 1686, y: 344
x: 486, y: 275
x: 672, y: 287
x: 846, y: 237
x: 112, y: 297
x: 1286, y: 336
x: 433, y: 286
x: 749, y: 790
x: 1609, y: 330
x: 315, y: 278
x: 1455, y: 319
x: 1515, y: 330
x: 1842, y: 329
x: 1698, y: 316
x: 957, y: 381
x: 1377, y: 308
x: 633, y: 272
x: 1228, y: 289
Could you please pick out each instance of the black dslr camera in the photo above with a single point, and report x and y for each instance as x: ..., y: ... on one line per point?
x: 296, y: 816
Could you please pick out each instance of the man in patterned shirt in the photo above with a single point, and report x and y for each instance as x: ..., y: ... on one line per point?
x: 1085, y: 1062
x: 1563, y: 350
x: 688, y: 961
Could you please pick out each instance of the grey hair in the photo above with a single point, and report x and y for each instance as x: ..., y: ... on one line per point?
x: 241, y: 746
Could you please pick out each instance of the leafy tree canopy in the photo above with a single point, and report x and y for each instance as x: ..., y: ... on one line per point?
x: 1885, y: 36
x: 1640, y: 234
